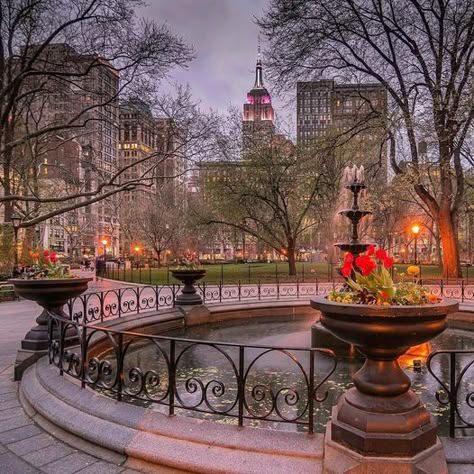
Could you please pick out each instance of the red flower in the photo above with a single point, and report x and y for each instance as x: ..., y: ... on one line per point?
x: 46, y: 259
x: 388, y: 262
x: 46, y: 253
x: 53, y: 257
x: 384, y: 295
x: 371, y: 250
x: 381, y: 254
x: 346, y: 270
x: 349, y: 258
x: 366, y: 264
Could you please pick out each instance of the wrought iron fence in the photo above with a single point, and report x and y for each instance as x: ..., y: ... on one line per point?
x: 307, y: 272
x: 98, y: 306
x: 456, y: 386
x: 213, y: 378
x: 118, y: 302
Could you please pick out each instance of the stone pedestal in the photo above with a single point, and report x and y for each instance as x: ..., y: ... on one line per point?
x: 339, y: 459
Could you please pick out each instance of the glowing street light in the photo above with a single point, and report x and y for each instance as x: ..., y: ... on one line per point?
x: 105, y: 242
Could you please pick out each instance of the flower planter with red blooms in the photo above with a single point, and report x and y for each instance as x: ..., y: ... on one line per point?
x: 381, y: 416
x: 368, y: 281
x: 51, y: 286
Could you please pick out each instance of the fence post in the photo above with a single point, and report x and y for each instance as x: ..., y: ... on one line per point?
x: 240, y: 290
x: 119, y: 367
x: 149, y: 273
x: 83, y: 355
x: 462, y: 291
x: 276, y: 271
x: 172, y: 376
x: 452, y: 394
x: 222, y: 273
x: 303, y: 272
x: 311, y: 394
x: 241, y: 392
x: 249, y: 273
x: 167, y: 274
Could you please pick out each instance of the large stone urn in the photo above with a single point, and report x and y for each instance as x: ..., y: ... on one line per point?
x: 188, y: 277
x: 380, y: 423
x: 51, y: 295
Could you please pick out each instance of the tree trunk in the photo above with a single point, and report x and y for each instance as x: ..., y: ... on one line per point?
x: 291, y: 259
x: 158, y: 256
x: 447, y: 229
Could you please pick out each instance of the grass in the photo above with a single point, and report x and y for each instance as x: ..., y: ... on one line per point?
x: 255, y: 272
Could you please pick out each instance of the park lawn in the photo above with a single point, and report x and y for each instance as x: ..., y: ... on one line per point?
x: 255, y: 272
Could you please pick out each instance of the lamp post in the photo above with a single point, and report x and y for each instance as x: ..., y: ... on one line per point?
x: 16, y: 220
x: 416, y: 230
x: 105, y: 242
x: 137, y: 251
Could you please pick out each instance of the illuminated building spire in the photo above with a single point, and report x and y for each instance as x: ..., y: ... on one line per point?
x: 258, y: 70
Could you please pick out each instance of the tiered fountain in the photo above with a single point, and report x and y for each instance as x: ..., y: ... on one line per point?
x: 380, y: 425
x: 320, y: 336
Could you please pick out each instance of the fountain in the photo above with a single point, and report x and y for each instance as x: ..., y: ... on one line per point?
x: 379, y: 424
x: 353, y: 178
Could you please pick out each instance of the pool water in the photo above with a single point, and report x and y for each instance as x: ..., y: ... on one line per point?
x: 200, y: 366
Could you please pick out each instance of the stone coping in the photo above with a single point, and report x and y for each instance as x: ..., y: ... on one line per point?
x: 177, y: 442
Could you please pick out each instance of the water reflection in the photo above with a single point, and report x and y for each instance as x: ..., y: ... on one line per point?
x: 205, y: 376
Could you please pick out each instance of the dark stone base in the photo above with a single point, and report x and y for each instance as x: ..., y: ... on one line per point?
x: 323, y: 339
x: 25, y: 359
x: 188, y: 299
x: 339, y: 459
x: 398, y: 426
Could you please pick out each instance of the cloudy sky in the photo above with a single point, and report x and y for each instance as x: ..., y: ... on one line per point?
x: 225, y: 40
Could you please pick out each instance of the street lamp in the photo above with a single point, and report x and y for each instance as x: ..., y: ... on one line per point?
x: 105, y: 242
x: 16, y: 220
x: 137, y: 251
x: 416, y: 230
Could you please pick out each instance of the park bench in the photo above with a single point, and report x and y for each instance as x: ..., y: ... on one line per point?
x: 7, y: 292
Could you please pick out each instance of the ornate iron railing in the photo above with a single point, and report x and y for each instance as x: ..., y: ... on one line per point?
x: 214, y: 378
x: 99, y: 306
x: 455, y: 377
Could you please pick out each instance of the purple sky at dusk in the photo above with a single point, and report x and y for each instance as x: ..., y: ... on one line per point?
x: 225, y: 40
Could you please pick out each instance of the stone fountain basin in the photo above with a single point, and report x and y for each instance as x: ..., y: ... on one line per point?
x: 50, y: 292
x: 386, y: 328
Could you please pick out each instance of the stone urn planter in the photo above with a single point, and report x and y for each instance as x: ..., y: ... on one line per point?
x: 52, y: 295
x: 381, y: 419
x: 188, y: 277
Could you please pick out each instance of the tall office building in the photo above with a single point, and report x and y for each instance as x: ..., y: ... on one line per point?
x: 84, y: 94
x: 258, y: 116
x: 325, y: 107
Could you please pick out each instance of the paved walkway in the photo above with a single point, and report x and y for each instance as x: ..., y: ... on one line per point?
x: 24, y: 447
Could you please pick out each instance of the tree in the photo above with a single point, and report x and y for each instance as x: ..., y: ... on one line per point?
x: 59, y: 50
x: 421, y: 51
x: 160, y: 223
x: 275, y: 194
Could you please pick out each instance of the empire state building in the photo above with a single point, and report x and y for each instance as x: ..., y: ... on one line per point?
x: 258, y: 118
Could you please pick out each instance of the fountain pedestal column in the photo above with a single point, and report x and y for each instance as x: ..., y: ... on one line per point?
x: 380, y: 425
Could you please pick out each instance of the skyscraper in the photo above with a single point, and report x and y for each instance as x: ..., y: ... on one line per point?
x: 357, y: 111
x: 258, y: 116
x: 84, y: 95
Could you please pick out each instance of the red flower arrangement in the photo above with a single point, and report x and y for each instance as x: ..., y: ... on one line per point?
x: 369, y: 282
x: 46, y: 264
